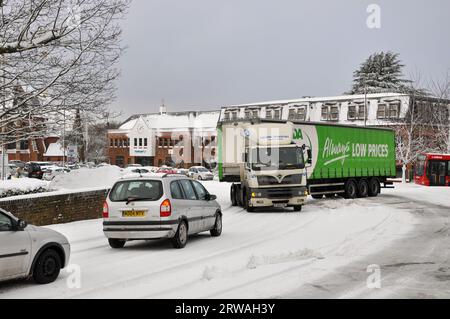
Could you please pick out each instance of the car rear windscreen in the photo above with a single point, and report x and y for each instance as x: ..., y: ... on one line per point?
x: 147, y: 190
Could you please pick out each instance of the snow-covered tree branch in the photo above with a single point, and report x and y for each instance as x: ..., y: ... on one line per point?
x: 56, y: 55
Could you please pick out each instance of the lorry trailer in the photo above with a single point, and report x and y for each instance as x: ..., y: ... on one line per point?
x: 277, y: 163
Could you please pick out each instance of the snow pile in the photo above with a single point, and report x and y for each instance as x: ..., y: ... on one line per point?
x: 86, y: 178
x: 23, y: 186
x: 213, y: 272
x: 303, y: 254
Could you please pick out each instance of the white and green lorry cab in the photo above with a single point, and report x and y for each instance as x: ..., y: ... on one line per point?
x: 265, y: 165
x: 278, y: 163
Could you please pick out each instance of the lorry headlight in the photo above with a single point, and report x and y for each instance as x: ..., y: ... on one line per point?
x: 256, y: 195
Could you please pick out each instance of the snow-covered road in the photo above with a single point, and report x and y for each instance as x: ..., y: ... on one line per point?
x: 322, y: 252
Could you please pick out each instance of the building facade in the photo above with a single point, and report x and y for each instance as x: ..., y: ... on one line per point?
x: 180, y: 139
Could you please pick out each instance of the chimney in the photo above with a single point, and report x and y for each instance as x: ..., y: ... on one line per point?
x: 162, y: 108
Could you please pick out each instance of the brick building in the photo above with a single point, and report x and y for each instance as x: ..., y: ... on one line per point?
x: 180, y: 139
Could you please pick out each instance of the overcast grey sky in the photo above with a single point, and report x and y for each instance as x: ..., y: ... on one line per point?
x: 201, y: 54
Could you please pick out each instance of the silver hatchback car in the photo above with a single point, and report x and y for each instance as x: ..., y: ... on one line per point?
x: 159, y: 206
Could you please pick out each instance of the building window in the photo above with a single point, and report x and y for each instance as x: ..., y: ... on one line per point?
x: 251, y: 113
x: 145, y: 142
x: 12, y: 146
x: 140, y: 142
x: 330, y: 113
x: 297, y: 113
x: 388, y: 110
x: 394, y: 110
x: 273, y: 113
x: 120, y: 161
x: 356, y: 111
x: 135, y: 142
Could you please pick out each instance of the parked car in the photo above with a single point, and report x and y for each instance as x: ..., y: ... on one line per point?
x: 34, y: 170
x: 156, y: 207
x: 166, y: 170
x: 28, y: 251
x: 51, y: 172
x: 182, y: 171
x: 135, y: 170
x: 134, y: 165
x: 151, y: 169
x: 201, y: 173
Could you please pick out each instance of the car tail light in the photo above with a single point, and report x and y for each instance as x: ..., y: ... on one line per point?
x: 105, y: 210
x: 166, y: 208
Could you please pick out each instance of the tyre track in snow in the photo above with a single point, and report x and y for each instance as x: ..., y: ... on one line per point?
x: 165, y: 270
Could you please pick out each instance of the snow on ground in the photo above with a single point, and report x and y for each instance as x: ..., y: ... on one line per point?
x: 22, y: 186
x: 84, y: 178
x: 264, y: 254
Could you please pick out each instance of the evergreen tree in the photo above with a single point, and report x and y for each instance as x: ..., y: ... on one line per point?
x: 381, y: 72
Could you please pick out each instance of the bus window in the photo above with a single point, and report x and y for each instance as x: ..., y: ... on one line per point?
x: 420, y: 168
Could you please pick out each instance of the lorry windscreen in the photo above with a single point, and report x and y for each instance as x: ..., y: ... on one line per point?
x: 277, y: 158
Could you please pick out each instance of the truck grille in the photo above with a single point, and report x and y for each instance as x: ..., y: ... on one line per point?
x: 280, y: 193
x: 288, y: 180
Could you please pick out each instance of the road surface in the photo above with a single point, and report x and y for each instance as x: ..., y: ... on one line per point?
x: 323, y: 252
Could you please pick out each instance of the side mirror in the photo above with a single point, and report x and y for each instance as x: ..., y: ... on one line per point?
x: 210, y: 197
x: 21, y: 225
x: 245, y: 158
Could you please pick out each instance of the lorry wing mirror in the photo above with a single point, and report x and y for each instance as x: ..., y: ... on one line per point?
x: 309, y: 152
x: 245, y: 158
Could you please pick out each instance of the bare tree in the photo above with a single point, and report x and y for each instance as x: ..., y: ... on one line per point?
x: 56, y: 55
x: 410, y: 140
x: 441, y: 112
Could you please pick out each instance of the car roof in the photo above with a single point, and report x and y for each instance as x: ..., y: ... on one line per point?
x: 147, y: 176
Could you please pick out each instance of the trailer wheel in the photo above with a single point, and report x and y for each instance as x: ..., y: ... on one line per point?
x: 351, y: 189
x: 363, y: 188
x: 233, y: 195
x: 374, y: 187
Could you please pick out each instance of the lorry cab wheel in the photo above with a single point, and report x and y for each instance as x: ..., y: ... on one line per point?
x: 298, y: 208
x: 351, y: 189
x: 233, y: 196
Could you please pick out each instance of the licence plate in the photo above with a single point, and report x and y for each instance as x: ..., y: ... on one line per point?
x: 133, y: 214
x: 279, y: 205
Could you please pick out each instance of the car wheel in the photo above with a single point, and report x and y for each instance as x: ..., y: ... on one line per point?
x: 351, y: 190
x: 116, y: 243
x: 217, y: 230
x: 298, y: 208
x: 47, y: 267
x: 181, y: 236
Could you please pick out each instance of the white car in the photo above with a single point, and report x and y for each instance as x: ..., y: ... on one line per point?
x: 160, y: 206
x: 51, y: 172
x: 30, y: 251
x: 201, y: 173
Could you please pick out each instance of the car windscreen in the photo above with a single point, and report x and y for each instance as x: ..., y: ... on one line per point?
x: 141, y: 190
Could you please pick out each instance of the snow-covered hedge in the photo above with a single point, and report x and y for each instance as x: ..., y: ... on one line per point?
x: 22, y: 186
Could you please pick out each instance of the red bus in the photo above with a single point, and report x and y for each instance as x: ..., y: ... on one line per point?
x: 433, y: 170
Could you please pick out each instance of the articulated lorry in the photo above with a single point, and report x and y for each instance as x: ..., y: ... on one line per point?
x: 277, y: 164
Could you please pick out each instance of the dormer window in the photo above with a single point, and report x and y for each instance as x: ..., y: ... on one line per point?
x: 297, y: 113
x: 356, y: 111
x: 388, y: 110
x: 330, y: 112
x: 273, y: 113
x: 251, y: 114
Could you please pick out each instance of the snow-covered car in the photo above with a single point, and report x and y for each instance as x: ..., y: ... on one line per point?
x: 201, y: 173
x: 156, y: 207
x: 51, y: 172
x: 29, y: 251
x: 135, y: 170
x: 151, y: 169
x: 166, y: 170
x: 182, y: 171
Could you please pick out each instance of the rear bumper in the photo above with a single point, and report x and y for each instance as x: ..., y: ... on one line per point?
x: 144, y: 230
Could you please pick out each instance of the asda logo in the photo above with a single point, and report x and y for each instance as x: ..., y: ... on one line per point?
x: 298, y: 135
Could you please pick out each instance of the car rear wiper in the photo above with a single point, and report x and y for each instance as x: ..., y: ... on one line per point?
x: 138, y: 199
